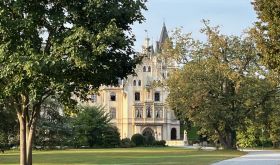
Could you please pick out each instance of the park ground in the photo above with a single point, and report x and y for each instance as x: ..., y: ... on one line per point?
x: 122, y: 156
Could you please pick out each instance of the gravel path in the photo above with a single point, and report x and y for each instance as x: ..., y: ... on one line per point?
x: 254, y: 157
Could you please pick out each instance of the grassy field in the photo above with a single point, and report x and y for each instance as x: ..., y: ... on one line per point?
x: 133, y: 156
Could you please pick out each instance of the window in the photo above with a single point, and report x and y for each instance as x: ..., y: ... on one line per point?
x: 138, y: 112
x: 113, y: 96
x: 148, y: 112
x: 139, y: 82
x: 149, y: 68
x: 144, y: 69
x: 113, y: 113
x: 157, y: 96
x: 137, y: 96
x: 93, y: 98
x: 134, y: 82
x: 158, y: 112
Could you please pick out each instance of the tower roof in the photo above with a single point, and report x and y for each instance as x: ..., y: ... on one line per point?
x: 163, y: 34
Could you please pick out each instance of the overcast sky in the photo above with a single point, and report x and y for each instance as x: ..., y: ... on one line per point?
x: 232, y: 15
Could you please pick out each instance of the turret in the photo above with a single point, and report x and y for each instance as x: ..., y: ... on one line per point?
x: 163, y: 37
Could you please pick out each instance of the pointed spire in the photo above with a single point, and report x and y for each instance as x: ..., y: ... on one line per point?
x: 163, y: 37
x: 163, y: 34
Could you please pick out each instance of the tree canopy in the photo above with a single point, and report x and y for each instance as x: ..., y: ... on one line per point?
x: 221, y: 85
x: 61, y: 47
x: 267, y: 32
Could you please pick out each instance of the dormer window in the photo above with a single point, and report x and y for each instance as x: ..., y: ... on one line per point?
x: 144, y: 69
x: 149, y: 68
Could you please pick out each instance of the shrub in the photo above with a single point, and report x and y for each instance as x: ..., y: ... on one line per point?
x: 149, y: 140
x: 138, y: 139
x: 110, y: 137
x: 162, y: 142
x: 127, y: 143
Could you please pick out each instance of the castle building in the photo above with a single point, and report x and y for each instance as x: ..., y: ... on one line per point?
x: 138, y: 105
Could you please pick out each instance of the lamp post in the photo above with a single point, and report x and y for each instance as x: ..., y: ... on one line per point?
x: 262, y: 137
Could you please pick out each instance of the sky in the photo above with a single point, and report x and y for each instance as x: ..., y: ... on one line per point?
x: 233, y: 16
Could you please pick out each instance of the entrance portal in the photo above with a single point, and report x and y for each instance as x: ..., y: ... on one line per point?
x: 148, y: 132
x: 173, y: 134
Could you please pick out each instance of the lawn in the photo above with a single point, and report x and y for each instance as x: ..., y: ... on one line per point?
x: 166, y: 155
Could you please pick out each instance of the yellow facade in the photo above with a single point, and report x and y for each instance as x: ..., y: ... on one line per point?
x: 137, y: 105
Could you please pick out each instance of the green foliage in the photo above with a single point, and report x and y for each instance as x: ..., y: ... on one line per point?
x: 63, y: 48
x: 92, y: 128
x: 8, y: 128
x: 248, y: 137
x: 160, y: 143
x: 267, y: 32
x: 111, y: 137
x: 54, y: 127
x: 127, y: 143
x: 138, y: 139
x: 149, y: 140
x: 221, y: 86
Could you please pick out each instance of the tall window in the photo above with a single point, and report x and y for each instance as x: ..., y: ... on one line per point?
x: 138, y: 112
x: 157, y: 96
x: 148, y: 112
x: 158, y: 112
x: 139, y: 82
x: 149, y: 68
x: 137, y: 96
x: 144, y: 69
x: 113, y: 96
x: 134, y: 82
x: 113, y: 112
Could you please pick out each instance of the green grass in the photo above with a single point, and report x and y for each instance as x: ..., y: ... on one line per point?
x: 133, y: 156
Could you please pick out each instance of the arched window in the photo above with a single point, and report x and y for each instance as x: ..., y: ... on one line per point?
x: 144, y: 69
x: 134, y: 82
x: 148, y: 132
x: 149, y: 68
x: 139, y: 82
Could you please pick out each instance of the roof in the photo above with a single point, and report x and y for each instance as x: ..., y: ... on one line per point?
x: 163, y: 34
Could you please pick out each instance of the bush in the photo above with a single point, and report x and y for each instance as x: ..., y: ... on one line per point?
x: 110, y: 137
x: 160, y: 143
x: 127, y: 143
x: 138, y: 139
x: 149, y: 140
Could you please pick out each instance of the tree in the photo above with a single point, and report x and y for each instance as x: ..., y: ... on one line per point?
x: 61, y: 47
x: 92, y: 127
x: 54, y: 127
x: 8, y: 128
x: 220, y: 86
x: 267, y: 32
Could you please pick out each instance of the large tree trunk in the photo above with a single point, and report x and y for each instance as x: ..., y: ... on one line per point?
x: 22, y: 123
x: 29, y: 144
x: 228, y: 139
